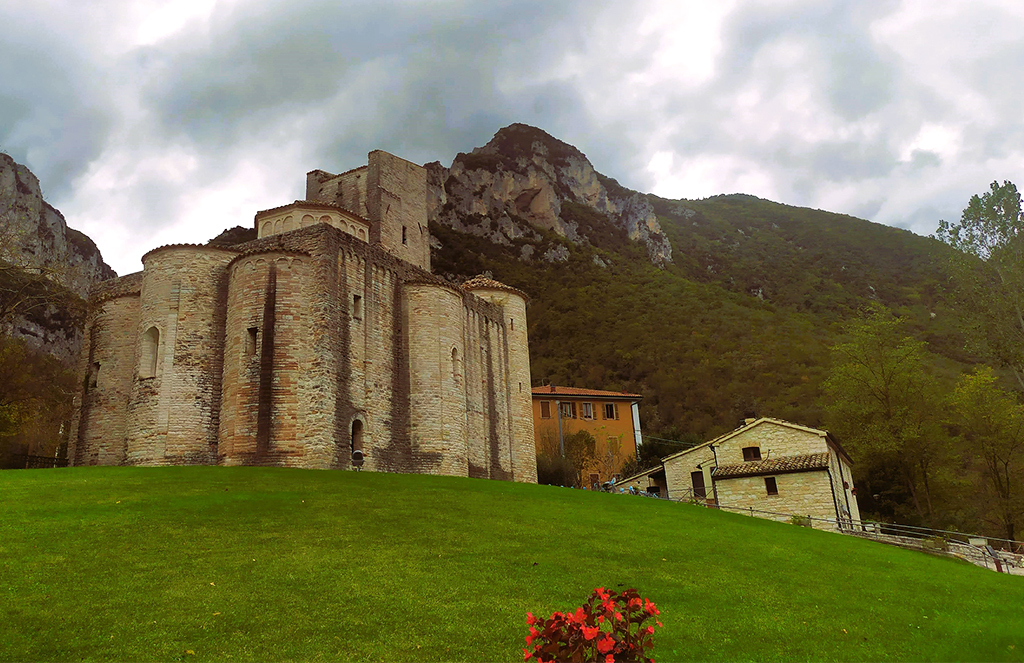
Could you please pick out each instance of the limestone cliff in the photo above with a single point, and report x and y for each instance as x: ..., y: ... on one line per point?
x: 34, y: 236
x: 524, y: 182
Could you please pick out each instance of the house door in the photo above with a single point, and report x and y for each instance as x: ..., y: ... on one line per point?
x: 698, y: 485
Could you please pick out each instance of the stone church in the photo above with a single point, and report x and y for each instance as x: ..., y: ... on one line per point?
x: 326, y: 335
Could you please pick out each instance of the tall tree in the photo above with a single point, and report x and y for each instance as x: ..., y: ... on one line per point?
x: 989, y: 274
x: 880, y: 401
x: 990, y: 422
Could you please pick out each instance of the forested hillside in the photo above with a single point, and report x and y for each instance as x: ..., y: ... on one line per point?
x: 739, y: 321
x: 740, y: 311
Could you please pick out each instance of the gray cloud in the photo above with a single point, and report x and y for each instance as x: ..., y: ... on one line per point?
x: 51, y: 115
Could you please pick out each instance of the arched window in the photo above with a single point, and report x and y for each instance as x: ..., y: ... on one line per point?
x: 268, y: 228
x: 456, y: 365
x: 287, y: 224
x: 277, y: 226
x: 150, y: 353
x: 307, y: 220
x: 325, y: 219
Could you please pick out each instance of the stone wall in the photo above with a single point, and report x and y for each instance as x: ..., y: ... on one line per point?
x: 175, y: 401
x: 678, y: 472
x: 800, y: 493
x: 396, y: 205
x: 106, y: 371
x: 779, y: 439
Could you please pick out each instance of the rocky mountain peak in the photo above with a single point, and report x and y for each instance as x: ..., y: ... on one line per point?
x: 524, y: 182
x: 35, y: 237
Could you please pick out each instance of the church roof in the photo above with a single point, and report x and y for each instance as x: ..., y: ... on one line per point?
x: 481, y: 282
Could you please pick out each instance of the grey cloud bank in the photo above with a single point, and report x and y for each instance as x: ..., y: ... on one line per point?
x: 894, y: 111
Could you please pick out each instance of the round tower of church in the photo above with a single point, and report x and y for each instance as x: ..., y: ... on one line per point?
x: 266, y: 358
x: 513, y: 301
x: 437, y: 401
x: 175, y: 397
x: 107, y: 369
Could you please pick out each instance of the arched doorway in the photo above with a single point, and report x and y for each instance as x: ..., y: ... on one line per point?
x: 357, y: 436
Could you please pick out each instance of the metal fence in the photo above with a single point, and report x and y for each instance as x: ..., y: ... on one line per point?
x: 40, y: 462
x: 1003, y: 555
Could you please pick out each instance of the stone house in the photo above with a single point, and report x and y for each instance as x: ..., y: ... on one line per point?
x: 612, y: 417
x: 766, y: 465
x: 325, y: 336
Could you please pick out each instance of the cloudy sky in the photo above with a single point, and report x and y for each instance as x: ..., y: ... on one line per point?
x: 157, y: 121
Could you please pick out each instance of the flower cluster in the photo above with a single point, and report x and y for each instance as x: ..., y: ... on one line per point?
x: 608, y: 628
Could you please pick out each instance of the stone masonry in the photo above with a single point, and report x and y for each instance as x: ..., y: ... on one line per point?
x: 325, y: 336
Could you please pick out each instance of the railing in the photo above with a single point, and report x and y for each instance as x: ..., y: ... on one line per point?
x: 1004, y: 555
x: 30, y: 462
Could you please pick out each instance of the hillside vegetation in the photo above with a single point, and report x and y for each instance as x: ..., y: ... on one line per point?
x: 215, y: 563
x: 742, y: 320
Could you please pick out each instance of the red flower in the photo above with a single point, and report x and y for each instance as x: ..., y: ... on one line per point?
x: 609, y: 659
x: 618, y: 616
x: 658, y: 623
x: 600, y: 619
x: 605, y: 644
x: 634, y: 603
x: 530, y: 619
x: 650, y: 630
x: 579, y: 617
x: 650, y: 608
x: 590, y: 632
x: 526, y: 654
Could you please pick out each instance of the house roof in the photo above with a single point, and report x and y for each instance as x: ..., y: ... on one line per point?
x: 782, y: 465
x: 552, y: 390
x: 722, y: 438
x: 648, y: 472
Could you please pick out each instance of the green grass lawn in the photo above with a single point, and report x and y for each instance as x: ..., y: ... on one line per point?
x: 215, y: 563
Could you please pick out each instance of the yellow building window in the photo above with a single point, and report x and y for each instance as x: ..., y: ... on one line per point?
x: 588, y: 410
x: 568, y: 410
x: 611, y: 410
x: 545, y: 410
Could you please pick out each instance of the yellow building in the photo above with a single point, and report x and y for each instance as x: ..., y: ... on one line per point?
x: 612, y: 417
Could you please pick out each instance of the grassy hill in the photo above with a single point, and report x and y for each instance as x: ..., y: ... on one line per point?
x: 212, y: 563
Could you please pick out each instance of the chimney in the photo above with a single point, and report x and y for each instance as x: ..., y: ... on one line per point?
x: 552, y: 388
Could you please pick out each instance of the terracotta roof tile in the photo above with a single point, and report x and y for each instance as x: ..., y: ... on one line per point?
x: 481, y: 281
x: 552, y: 390
x: 783, y: 465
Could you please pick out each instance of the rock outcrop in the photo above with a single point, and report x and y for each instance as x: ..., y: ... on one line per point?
x: 524, y: 182
x: 34, y: 236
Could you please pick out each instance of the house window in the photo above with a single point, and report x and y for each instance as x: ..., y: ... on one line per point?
x: 357, y: 307
x: 611, y: 410
x: 588, y: 410
x: 752, y: 453
x: 150, y: 352
x: 771, y: 486
x: 545, y: 409
x: 568, y: 410
x: 252, y: 341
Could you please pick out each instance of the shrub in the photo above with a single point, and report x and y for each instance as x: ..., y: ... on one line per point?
x: 802, y: 521
x: 609, y: 628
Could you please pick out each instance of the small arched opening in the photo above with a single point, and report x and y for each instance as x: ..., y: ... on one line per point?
x: 150, y: 353
x: 456, y: 365
x: 357, y: 442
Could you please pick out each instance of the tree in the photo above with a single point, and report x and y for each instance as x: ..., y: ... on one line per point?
x: 989, y: 275
x: 990, y: 422
x: 881, y: 403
